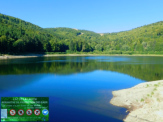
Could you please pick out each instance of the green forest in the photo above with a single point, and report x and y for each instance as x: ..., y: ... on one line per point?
x: 19, y: 37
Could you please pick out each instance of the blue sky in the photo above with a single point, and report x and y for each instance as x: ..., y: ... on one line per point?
x: 95, y: 15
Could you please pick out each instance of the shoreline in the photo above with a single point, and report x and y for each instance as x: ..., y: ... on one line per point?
x: 54, y: 55
x: 143, y: 101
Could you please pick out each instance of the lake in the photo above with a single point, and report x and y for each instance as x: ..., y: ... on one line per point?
x: 79, y: 87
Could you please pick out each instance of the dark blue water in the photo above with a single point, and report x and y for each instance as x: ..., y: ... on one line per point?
x: 79, y: 88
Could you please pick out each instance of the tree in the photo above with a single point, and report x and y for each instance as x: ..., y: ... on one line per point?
x: 125, y: 48
x: 3, y: 44
x: 71, y: 46
x: 47, y: 47
x: 19, y: 45
x: 99, y: 47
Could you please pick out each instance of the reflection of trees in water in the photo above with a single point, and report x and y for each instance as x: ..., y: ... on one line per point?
x: 147, y: 72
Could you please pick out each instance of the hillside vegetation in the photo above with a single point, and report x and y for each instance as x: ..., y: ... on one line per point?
x: 18, y: 36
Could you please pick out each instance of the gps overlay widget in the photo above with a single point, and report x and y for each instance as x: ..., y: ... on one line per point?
x: 24, y: 109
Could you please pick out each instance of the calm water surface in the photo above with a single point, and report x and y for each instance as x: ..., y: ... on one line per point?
x: 79, y: 88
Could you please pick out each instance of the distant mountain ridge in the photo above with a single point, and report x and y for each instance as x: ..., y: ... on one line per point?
x: 18, y: 36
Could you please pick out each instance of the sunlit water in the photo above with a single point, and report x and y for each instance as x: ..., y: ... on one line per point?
x: 79, y: 88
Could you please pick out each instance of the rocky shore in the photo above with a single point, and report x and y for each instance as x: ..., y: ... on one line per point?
x: 53, y: 55
x: 143, y: 101
x: 35, y: 55
x: 41, y: 55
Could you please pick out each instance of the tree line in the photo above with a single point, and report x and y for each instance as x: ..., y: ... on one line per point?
x: 18, y: 36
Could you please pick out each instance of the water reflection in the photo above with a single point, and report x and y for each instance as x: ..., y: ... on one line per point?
x: 78, y: 87
x: 145, y: 68
x: 89, y: 92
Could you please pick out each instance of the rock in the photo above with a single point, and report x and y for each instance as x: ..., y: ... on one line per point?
x: 144, y: 101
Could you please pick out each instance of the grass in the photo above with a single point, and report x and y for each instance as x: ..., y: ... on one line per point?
x: 147, y: 85
x: 156, y: 85
x: 142, y: 100
x: 152, y: 93
x: 158, y: 99
x: 154, y: 89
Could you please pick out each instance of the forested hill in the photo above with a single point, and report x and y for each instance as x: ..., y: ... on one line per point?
x: 18, y: 36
